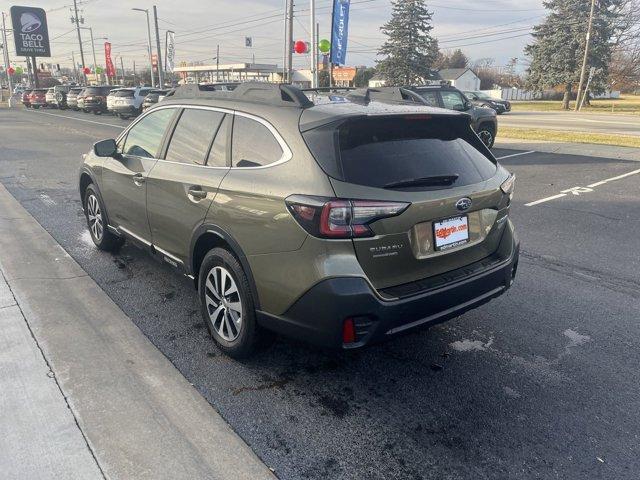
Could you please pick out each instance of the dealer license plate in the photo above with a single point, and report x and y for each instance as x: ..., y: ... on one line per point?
x: 451, y: 232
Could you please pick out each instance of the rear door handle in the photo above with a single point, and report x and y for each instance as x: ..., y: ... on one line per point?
x: 197, y: 193
x: 138, y: 179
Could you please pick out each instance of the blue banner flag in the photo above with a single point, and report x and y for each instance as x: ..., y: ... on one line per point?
x: 340, y: 31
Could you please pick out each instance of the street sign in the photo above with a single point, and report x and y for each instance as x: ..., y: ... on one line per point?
x: 248, y: 42
x: 30, y: 32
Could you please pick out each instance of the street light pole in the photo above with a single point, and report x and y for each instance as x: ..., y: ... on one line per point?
x: 5, y: 52
x: 160, y: 71
x: 93, y: 47
x: 314, y: 47
x: 149, y: 37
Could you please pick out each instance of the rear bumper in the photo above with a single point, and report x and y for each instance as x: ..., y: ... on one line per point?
x: 93, y: 107
x: 124, y: 109
x: 318, y: 316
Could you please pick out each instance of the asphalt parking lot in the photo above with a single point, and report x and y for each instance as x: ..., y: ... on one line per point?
x: 540, y: 383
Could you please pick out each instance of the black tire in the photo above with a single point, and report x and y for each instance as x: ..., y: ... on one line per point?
x: 487, y: 134
x: 248, y: 333
x: 100, y: 234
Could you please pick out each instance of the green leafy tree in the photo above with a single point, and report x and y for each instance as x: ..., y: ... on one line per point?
x: 410, y: 51
x: 558, y: 45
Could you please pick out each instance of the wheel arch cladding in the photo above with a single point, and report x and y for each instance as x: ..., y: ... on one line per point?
x: 208, y: 237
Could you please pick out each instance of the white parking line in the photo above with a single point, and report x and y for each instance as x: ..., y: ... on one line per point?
x: 80, y: 119
x: 560, y: 195
x: 577, y: 191
x: 515, y: 155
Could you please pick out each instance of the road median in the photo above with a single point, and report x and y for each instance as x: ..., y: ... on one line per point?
x: 140, y: 417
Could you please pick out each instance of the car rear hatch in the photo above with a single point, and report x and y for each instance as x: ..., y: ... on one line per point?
x: 450, y: 184
x: 124, y: 97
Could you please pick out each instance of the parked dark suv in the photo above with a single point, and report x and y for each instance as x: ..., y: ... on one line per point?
x: 339, y: 222
x: 483, y: 120
x: 95, y: 98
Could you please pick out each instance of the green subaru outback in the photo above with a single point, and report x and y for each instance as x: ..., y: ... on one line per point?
x: 341, y: 221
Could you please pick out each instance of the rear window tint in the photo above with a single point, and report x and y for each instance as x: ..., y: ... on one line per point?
x: 253, y: 144
x: 124, y: 93
x: 380, y: 151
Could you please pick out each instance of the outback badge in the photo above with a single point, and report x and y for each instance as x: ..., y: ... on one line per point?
x: 463, y: 204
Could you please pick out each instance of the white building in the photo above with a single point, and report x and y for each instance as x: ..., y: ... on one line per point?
x: 463, y: 79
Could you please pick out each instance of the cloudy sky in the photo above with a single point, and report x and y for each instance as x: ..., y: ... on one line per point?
x: 492, y: 28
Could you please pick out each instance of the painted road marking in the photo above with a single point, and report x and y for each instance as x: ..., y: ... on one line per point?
x: 577, y: 191
x: 80, y: 119
x: 515, y: 155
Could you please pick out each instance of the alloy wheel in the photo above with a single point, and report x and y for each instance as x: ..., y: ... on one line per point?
x: 224, y: 304
x: 94, y: 215
x: 486, y: 136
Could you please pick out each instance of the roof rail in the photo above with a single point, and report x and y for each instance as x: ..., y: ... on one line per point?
x: 259, y: 92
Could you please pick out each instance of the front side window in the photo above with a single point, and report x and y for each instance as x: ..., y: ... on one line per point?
x: 193, y: 135
x: 145, y: 137
x: 253, y: 144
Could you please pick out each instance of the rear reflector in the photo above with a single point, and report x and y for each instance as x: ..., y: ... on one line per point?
x: 348, y: 331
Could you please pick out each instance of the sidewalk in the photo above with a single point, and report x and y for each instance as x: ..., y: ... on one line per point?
x: 83, y: 393
x: 584, y: 149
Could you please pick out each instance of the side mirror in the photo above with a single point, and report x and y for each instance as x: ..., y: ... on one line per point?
x: 468, y: 105
x: 106, y: 148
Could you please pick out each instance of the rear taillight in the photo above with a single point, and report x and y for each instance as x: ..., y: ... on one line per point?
x: 340, y: 218
x: 509, y: 186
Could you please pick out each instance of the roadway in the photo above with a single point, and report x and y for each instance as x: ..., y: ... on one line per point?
x: 572, y: 121
x: 540, y: 383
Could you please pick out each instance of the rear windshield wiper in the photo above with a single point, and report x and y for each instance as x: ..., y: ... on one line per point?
x: 433, y: 181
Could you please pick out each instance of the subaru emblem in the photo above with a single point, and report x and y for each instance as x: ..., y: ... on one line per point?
x: 463, y: 204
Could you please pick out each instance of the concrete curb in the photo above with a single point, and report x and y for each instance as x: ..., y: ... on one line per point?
x: 139, y: 415
x: 584, y: 149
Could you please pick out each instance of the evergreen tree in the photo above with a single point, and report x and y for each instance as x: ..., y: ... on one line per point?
x: 558, y: 48
x: 455, y: 59
x: 410, y: 49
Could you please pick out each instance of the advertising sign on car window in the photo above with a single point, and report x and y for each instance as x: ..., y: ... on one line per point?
x: 30, y: 32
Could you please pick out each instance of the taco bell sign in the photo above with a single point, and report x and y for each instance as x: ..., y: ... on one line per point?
x: 340, y: 31
x: 30, y: 32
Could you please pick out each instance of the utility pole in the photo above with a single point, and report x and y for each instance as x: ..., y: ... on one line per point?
x: 290, y: 43
x: 77, y: 22
x: 314, y: 47
x: 218, y: 63
x: 5, y: 53
x: 583, y: 72
x: 122, y: 66
x: 159, y: 50
x: 286, y: 41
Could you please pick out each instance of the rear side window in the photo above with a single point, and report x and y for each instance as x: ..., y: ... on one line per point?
x: 379, y: 152
x: 253, y: 144
x: 193, y: 136
x: 453, y: 100
x: 145, y: 137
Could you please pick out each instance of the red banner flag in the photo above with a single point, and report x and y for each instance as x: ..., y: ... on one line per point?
x: 111, y: 72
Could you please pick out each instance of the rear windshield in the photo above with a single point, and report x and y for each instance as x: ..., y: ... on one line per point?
x: 75, y: 90
x: 124, y: 93
x: 379, y: 152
